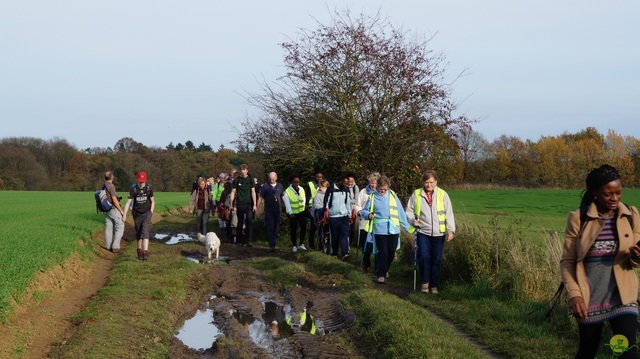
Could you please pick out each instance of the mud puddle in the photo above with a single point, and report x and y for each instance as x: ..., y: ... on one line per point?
x: 200, y: 332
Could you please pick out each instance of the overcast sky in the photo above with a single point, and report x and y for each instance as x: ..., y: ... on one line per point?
x: 93, y: 72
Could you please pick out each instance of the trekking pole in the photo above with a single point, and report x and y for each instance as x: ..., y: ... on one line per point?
x: 415, y: 261
x: 415, y: 257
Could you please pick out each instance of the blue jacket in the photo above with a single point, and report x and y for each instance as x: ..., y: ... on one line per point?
x: 337, y: 202
x: 382, y: 223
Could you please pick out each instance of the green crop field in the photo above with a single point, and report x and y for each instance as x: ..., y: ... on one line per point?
x: 41, y: 229
x: 541, y: 209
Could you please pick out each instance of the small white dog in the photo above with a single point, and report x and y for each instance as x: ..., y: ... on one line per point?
x: 211, y: 243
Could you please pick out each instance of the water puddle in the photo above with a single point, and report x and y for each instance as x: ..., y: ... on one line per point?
x: 174, y: 239
x: 277, y: 322
x: 199, y: 332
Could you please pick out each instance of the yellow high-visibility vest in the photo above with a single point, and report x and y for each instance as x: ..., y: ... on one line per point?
x: 296, y: 201
x: 442, y: 214
x: 313, y: 190
x: 393, y: 211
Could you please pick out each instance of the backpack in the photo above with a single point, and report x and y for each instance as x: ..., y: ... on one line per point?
x: 583, y: 220
x: 102, y: 200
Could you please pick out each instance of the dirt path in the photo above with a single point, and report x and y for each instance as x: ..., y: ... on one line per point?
x: 244, y: 305
x: 35, y: 324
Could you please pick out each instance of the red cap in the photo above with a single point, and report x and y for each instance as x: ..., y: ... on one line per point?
x: 142, y: 177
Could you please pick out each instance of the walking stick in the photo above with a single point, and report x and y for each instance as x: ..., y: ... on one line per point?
x: 415, y: 261
x: 415, y: 257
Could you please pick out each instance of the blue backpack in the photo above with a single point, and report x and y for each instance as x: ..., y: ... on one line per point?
x: 102, y: 201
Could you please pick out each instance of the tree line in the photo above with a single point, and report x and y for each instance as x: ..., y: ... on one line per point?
x: 55, y: 165
x: 551, y: 162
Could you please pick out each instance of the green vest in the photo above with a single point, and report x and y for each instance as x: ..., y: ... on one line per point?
x: 442, y: 214
x: 217, y: 190
x: 296, y: 201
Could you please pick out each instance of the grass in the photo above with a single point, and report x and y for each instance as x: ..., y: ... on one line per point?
x: 144, y: 298
x: 501, y: 267
x: 542, y: 210
x: 39, y: 230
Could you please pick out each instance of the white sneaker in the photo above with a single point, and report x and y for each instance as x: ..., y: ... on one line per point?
x: 302, y: 247
x: 295, y: 249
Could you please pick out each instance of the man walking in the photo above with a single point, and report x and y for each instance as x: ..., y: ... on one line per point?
x: 114, y: 222
x: 271, y: 196
x: 141, y: 194
x: 243, y: 199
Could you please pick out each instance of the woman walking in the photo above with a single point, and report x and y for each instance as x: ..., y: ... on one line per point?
x: 386, y: 216
x: 598, y: 257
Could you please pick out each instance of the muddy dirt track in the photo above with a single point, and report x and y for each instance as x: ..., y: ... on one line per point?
x: 269, y: 321
x: 305, y: 321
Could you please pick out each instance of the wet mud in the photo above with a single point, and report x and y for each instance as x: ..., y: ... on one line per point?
x: 242, y: 307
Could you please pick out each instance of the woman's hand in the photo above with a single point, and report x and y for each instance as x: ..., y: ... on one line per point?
x: 578, y: 307
x: 635, y: 251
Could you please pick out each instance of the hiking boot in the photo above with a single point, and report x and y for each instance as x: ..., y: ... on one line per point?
x: 365, y: 270
x: 345, y: 257
x: 140, y: 255
x: 272, y: 249
x: 425, y: 288
x: 249, y: 244
x: 145, y: 255
x: 380, y: 280
x: 115, y: 250
x: 387, y: 276
x: 302, y: 247
x: 295, y: 249
x: 433, y: 290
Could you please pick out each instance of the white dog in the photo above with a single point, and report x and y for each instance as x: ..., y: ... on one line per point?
x: 211, y: 243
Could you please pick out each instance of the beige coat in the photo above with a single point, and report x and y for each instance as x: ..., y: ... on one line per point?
x: 577, y: 244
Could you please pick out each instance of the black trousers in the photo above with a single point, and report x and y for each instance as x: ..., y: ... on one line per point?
x: 591, y: 334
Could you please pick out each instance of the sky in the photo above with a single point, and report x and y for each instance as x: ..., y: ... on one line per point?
x: 160, y: 72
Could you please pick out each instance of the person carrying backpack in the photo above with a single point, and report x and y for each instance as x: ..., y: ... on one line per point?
x: 141, y: 194
x: 598, y: 257
x: 114, y: 218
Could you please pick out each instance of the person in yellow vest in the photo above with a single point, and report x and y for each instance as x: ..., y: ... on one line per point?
x: 313, y: 189
x: 384, y: 211
x: 295, y: 202
x: 431, y: 209
x: 365, y: 238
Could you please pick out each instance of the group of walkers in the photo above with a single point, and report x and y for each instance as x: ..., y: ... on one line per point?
x: 337, y: 216
x: 599, y: 254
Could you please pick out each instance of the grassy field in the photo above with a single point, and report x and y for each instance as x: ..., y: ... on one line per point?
x: 492, y: 277
x: 39, y: 230
x: 538, y: 209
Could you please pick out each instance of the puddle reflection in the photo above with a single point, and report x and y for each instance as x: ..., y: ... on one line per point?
x: 199, y: 332
x: 277, y: 322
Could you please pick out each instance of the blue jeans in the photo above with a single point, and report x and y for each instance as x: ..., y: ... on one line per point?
x: 339, y: 227
x: 429, y: 258
x: 272, y: 221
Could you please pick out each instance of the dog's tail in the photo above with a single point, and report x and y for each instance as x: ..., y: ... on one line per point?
x: 201, y: 237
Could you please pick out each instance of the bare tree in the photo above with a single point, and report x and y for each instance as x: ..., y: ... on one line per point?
x: 357, y: 95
